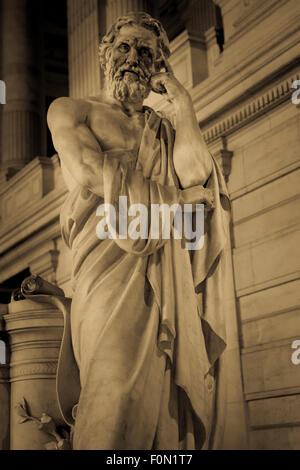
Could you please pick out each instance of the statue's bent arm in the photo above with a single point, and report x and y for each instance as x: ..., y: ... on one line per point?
x: 75, y: 143
x: 192, y: 160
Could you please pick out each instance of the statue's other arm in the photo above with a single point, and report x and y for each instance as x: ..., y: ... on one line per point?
x: 192, y: 160
x: 75, y: 143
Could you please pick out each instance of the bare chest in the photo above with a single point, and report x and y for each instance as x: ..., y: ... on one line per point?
x: 115, y: 130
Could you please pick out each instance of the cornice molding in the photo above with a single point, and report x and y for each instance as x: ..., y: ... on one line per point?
x: 252, y: 110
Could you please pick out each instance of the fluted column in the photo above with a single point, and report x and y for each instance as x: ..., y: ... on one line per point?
x: 34, y: 330
x: 116, y: 8
x: 21, y: 119
x: 83, y: 36
x: 199, y: 16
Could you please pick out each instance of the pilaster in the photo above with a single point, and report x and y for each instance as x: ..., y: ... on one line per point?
x: 83, y: 34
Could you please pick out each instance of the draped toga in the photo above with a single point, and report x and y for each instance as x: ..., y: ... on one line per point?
x: 147, y: 317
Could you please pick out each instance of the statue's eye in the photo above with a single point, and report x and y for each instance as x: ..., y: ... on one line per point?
x: 123, y: 47
x: 145, y: 52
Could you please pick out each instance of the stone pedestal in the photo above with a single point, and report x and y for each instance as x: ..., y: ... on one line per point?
x: 35, y: 331
x: 4, y: 388
x: 198, y: 16
x: 21, y: 116
x: 4, y: 407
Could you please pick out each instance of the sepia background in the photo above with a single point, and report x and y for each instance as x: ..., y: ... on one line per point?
x: 238, y: 59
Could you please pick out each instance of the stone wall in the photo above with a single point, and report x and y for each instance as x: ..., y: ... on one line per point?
x: 263, y: 133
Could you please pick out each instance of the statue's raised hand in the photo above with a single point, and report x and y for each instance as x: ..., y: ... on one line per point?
x: 167, y: 84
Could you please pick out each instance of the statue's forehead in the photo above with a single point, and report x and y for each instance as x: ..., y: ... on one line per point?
x: 137, y: 33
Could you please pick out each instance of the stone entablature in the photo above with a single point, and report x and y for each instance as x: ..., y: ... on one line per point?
x: 253, y: 109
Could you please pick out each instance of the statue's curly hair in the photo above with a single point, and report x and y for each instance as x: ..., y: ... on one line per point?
x: 141, y: 19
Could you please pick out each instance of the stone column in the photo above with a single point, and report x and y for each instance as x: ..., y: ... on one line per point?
x: 213, y: 50
x: 4, y: 407
x: 21, y: 119
x: 116, y: 8
x: 199, y: 16
x: 83, y: 36
x: 34, y: 331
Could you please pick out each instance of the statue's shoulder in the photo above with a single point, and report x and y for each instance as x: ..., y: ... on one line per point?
x: 77, y: 110
x: 68, y: 106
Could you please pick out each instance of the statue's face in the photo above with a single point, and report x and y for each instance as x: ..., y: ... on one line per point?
x: 131, y: 63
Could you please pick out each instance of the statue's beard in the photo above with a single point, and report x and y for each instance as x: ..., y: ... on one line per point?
x: 128, y: 83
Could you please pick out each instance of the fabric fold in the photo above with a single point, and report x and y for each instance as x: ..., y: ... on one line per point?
x: 147, y: 300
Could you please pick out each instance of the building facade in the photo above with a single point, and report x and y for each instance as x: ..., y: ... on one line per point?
x: 240, y: 61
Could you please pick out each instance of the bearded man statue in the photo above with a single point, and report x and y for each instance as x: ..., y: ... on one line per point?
x: 147, y: 315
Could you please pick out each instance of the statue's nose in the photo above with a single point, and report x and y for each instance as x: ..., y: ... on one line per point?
x: 133, y: 57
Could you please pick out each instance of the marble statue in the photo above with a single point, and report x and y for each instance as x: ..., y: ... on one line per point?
x: 147, y: 315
